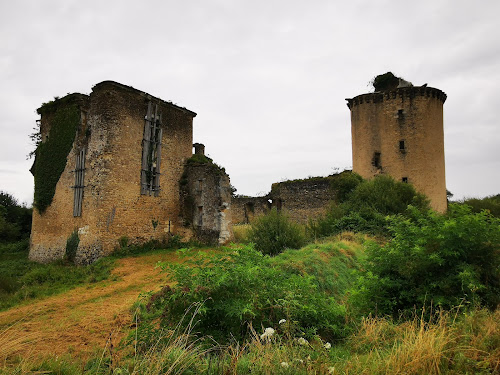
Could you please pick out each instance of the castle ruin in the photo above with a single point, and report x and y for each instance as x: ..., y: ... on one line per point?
x: 118, y: 164
x: 126, y: 153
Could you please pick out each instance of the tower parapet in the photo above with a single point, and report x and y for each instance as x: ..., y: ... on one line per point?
x: 404, y: 92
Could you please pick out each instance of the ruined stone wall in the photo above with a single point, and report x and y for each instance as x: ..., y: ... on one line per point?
x: 400, y: 133
x: 113, y: 206
x: 207, y: 209
x: 244, y: 209
x: 301, y: 200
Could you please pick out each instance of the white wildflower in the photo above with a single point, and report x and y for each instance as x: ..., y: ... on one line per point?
x: 282, y: 321
x: 328, y: 345
x: 302, y: 341
x: 268, y: 333
x: 331, y: 370
x: 284, y: 364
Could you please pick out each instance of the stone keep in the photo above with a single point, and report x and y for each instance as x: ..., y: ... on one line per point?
x: 122, y: 173
x: 399, y: 132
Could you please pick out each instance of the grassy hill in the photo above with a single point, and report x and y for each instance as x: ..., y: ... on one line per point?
x: 121, y: 324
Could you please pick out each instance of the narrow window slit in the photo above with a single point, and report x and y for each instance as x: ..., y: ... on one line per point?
x: 79, y: 183
x: 376, y: 160
x: 151, y: 151
x: 402, y: 146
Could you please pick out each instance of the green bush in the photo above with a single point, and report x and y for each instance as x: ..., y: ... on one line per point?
x: 274, y: 232
x: 367, y: 206
x: 492, y: 204
x: 443, y: 260
x: 125, y: 248
x: 72, y: 246
x: 242, y: 286
x: 344, y: 184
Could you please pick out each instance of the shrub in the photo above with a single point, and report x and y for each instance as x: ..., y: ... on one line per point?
x: 243, y: 286
x: 385, y: 196
x: 445, y: 260
x: 274, y: 232
x: 344, y: 184
x: 492, y: 204
x: 72, y: 246
x: 367, y: 206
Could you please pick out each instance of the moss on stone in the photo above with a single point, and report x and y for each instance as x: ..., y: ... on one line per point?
x: 51, y: 155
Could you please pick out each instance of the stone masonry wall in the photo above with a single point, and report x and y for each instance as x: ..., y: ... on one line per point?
x: 206, y: 199
x: 301, y: 200
x: 244, y: 209
x: 400, y: 133
x: 113, y: 206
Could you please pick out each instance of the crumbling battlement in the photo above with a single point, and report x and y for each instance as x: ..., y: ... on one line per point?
x: 301, y: 200
x: 401, y: 93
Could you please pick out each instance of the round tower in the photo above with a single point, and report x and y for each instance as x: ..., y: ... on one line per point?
x: 399, y: 132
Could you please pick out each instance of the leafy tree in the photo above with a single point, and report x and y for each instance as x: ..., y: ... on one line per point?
x: 15, y: 219
x: 445, y: 260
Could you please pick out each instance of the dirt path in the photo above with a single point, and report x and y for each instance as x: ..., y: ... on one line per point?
x: 81, y: 321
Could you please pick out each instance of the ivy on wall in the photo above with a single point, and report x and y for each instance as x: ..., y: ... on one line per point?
x: 51, y: 155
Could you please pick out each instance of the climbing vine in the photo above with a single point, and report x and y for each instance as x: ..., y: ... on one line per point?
x: 51, y: 155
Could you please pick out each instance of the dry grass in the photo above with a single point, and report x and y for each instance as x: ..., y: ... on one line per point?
x: 12, y: 344
x: 240, y: 233
x: 426, y: 347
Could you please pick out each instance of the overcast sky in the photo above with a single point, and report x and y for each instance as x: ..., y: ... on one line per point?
x: 268, y: 79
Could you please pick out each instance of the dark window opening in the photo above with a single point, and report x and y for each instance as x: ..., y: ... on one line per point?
x: 151, y: 151
x: 400, y: 113
x: 402, y: 146
x: 200, y: 186
x: 376, y: 160
x: 250, y: 207
x: 249, y: 211
x: 79, y: 183
x: 404, y: 180
x: 279, y: 204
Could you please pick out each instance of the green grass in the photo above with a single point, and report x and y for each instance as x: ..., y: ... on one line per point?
x: 22, y: 280
x: 460, y: 341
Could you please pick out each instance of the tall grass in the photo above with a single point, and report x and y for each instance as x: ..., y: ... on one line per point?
x: 453, y: 342
x: 445, y: 344
x: 11, y: 343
